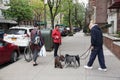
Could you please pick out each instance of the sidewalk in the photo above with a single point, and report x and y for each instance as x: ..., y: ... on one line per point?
x: 76, y: 44
x: 79, y: 44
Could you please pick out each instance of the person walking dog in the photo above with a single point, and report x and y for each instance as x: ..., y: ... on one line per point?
x: 56, y: 35
x: 96, y: 47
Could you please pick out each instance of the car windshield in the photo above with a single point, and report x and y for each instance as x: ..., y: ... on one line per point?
x: 16, y: 31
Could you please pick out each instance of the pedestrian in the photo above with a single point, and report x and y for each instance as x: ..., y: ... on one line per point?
x: 36, y: 44
x: 56, y: 35
x: 96, y: 47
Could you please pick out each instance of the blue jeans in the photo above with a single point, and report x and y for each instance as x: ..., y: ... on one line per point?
x: 97, y: 52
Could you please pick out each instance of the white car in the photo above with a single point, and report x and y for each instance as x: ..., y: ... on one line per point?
x: 18, y: 35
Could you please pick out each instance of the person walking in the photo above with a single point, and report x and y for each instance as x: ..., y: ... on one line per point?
x: 96, y: 47
x: 36, y: 44
x: 56, y: 35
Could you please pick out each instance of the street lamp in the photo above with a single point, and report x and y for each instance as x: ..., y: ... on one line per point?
x: 45, y: 22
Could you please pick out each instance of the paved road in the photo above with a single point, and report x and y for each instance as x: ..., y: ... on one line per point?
x: 78, y: 44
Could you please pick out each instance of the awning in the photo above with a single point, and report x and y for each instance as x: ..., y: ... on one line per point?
x: 8, y: 21
x: 115, y: 5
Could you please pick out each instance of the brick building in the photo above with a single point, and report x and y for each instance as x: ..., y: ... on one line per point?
x: 99, y: 10
x: 106, y: 11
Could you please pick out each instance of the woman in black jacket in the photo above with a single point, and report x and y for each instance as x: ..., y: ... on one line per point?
x: 97, y: 47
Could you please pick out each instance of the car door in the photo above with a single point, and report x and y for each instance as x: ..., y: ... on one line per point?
x: 3, y: 52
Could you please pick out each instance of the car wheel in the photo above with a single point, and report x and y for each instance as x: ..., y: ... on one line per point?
x: 14, y: 57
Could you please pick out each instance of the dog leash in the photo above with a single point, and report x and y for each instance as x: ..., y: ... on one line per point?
x: 87, y: 51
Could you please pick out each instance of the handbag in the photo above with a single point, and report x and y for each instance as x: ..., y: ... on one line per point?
x: 42, y: 51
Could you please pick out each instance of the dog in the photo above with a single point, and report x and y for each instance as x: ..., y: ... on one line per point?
x: 57, y: 61
x: 69, y: 59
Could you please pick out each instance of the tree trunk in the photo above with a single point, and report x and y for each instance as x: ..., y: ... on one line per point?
x: 52, y: 18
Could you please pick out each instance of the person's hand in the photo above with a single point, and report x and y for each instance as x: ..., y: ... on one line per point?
x: 56, y: 37
x: 92, y: 47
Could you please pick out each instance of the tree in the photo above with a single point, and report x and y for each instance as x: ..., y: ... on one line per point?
x: 54, y: 6
x: 19, y: 10
x: 79, y: 14
x: 38, y: 8
x: 74, y: 12
x: 68, y: 8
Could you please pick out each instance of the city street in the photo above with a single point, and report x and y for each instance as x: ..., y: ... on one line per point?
x: 77, y: 44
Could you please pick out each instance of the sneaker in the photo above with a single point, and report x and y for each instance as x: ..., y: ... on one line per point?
x: 88, y: 67
x: 35, y: 64
x: 102, y: 69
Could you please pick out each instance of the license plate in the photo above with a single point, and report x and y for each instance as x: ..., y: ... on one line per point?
x: 14, y: 39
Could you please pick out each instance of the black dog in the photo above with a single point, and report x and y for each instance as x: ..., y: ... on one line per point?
x: 72, y: 58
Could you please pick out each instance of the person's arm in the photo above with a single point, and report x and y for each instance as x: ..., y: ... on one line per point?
x: 54, y: 35
x: 93, y: 38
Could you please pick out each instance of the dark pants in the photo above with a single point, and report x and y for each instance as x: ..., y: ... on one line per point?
x: 56, y: 46
x: 97, y: 52
x: 35, y: 54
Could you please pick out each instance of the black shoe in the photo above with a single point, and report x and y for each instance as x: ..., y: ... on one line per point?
x: 35, y: 64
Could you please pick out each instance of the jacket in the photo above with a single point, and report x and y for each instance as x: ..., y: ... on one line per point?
x: 35, y: 46
x: 56, y: 35
x: 96, y: 36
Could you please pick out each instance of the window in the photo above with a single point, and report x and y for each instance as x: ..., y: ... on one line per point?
x: 17, y: 31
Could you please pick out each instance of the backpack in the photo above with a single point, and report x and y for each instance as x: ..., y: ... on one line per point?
x: 36, y: 39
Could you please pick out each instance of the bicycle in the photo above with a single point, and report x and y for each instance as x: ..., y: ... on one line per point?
x: 28, y: 53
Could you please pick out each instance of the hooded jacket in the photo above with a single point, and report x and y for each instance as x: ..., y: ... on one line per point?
x: 96, y: 36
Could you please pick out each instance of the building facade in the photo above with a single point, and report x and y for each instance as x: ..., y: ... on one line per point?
x: 114, y: 16
x: 5, y: 23
x: 98, y: 9
x: 106, y: 11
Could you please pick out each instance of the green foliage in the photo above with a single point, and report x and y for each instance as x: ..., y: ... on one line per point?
x: 106, y: 26
x: 37, y: 6
x: 54, y: 8
x: 118, y: 33
x: 19, y: 10
x: 77, y: 13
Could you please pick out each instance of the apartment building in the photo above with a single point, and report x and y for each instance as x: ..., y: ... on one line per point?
x: 106, y: 11
x: 5, y: 23
x: 114, y: 15
x: 99, y: 11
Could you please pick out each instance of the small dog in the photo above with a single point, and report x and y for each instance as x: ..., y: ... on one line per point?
x: 58, y: 60
x: 72, y: 58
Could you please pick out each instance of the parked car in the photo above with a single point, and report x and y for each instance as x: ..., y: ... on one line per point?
x: 76, y: 29
x: 63, y: 31
x: 18, y: 35
x: 1, y: 33
x: 8, y: 52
